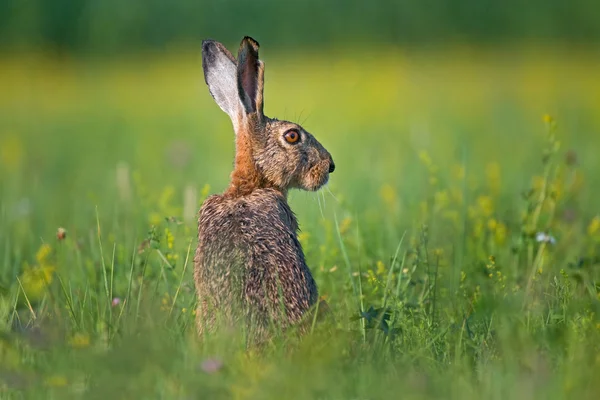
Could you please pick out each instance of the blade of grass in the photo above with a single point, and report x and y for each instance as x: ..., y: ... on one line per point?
x: 391, y: 271
x: 130, y: 282
x: 360, y: 288
x: 104, y: 274
x: 355, y: 290
x: 26, y: 299
x: 68, y: 299
x: 103, y: 264
x: 187, y: 257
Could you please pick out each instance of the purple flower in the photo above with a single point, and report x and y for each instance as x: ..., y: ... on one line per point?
x: 116, y: 301
x: 211, y: 365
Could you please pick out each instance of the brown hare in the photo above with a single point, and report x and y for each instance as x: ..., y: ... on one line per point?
x: 249, y: 269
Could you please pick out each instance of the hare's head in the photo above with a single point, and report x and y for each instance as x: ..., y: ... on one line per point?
x: 269, y: 152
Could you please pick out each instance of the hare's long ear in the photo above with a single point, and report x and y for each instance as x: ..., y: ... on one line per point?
x: 220, y: 74
x: 250, y: 77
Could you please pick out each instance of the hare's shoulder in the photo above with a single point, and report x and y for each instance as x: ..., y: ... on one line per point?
x: 262, y: 210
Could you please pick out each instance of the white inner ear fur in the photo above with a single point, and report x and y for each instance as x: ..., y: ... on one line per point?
x: 221, y: 76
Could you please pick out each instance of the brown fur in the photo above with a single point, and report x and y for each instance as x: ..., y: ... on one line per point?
x: 250, y: 269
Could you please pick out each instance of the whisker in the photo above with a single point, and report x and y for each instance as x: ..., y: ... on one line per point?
x: 320, y: 205
x: 331, y: 193
x: 322, y: 194
x: 306, y: 119
x: 299, y: 116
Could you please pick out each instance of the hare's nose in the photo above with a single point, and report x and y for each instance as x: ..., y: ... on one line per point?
x: 331, y: 165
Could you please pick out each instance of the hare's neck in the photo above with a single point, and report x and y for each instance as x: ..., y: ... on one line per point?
x: 243, y: 184
x: 245, y: 177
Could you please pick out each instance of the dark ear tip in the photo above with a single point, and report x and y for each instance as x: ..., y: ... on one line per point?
x: 252, y: 42
x: 211, y: 49
x: 208, y: 54
x: 207, y: 44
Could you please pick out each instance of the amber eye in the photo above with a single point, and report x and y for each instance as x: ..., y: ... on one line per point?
x: 292, y: 136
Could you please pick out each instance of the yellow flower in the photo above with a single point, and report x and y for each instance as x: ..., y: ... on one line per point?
x: 35, y: 281
x: 170, y: 238
x: 486, y: 205
x: 371, y: 278
x: 492, y: 224
x: 594, y: 226
x: 441, y: 199
x: 43, y: 253
x: 80, y: 340
x: 57, y: 381
x: 303, y: 238
x: 458, y: 172
x: 388, y: 195
x: 492, y: 172
x: 556, y: 189
x: 154, y: 218
x: 548, y: 118
x: 380, y: 268
x: 537, y: 183
x: 500, y: 233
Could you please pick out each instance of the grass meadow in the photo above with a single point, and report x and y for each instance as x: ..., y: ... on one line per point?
x: 457, y: 243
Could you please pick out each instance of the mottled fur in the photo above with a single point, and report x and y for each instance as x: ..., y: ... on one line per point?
x: 249, y: 265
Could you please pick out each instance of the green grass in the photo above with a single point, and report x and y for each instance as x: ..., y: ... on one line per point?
x: 424, y: 243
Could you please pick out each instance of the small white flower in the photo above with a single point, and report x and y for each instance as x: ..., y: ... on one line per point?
x: 542, y: 237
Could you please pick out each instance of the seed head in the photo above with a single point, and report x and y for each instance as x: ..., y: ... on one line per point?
x: 61, y: 234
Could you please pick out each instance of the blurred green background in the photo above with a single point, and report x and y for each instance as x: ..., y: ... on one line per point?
x: 461, y: 130
x: 117, y: 26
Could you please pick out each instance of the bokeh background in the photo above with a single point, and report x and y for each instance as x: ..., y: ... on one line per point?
x: 436, y: 112
x: 88, y: 84
x: 92, y: 26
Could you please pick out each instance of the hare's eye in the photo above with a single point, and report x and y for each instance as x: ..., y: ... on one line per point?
x: 292, y: 136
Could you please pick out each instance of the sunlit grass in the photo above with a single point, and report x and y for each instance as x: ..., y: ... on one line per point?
x: 457, y: 243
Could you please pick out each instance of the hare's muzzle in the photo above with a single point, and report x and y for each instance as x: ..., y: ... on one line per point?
x: 331, y: 165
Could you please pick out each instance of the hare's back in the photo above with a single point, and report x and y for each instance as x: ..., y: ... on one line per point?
x: 248, y: 250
